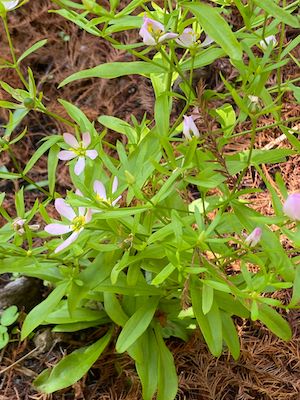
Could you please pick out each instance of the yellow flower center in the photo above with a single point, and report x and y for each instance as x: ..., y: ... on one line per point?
x: 156, y: 33
x: 78, y: 223
x: 102, y: 200
x: 80, y: 151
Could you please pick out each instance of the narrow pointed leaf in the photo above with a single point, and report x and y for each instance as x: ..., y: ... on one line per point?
x: 71, y: 368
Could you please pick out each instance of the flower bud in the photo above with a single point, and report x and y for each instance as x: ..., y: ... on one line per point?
x: 29, y: 103
x: 18, y: 225
x: 291, y: 206
x: 267, y: 41
x: 254, y: 237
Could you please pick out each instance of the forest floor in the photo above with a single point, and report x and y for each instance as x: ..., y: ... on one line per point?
x: 269, y: 368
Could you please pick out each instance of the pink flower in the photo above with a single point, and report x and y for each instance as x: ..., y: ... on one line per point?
x: 76, y: 224
x: 254, y: 237
x: 189, y: 127
x: 291, y: 206
x: 78, y: 150
x: 153, y: 32
x: 9, y: 5
x: 188, y: 38
x: 100, y: 191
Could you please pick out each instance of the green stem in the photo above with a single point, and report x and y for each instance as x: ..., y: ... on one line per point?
x: 243, y: 173
x: 24, y: 177
x: 12, y: 51
x: 278, y: 74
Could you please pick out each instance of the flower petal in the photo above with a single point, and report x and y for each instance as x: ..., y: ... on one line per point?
x: 57, y: 229
x: 79, y: 167
x: 148, y: 39
x: 9, y: 5
x: 114, y: 202
x: 291, y: 206
x: 186, y: 127
x: 189, y: 126
x: 71, y: 140
x: 167, y: 36
x: 66, y: 155
x: 64, y: 209
x: 254, y: 237
x: 81, y: 211
x: 115, y: 184
x: 68, y: 241
x: 92, y: 154
x: 207, y: 41
x: 188, y: 38
x: 86, y: 138
x: 99, y: 189
x: 88, y: 215
x: 264, y: 43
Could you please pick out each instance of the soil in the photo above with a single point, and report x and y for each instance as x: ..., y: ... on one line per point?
x: 268, y: 369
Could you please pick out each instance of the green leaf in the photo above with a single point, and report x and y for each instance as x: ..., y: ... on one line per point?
x: 162, y: 114
x: 19, y: 202
x: 9, y: 316
x: 114, y: 309
x: 137, y: 324
x: 274, y: 321
x: 167, y: 376
x: 38, y: 314
x: 296, y: 289
x: 78, y: 326
x: 207, y: 298
x: 63, y: 316
x: 217, y: 28
x: 9, y: 175
x: 52, y: 164
x: 147, y: 368
x: 77, y: 115
x: 202, y: 58
x: 209, y: 324
x: 163, y: 274
x: 40, y: 151
x: 280, y: 13
x: 4, y: 337
x: 230, y: 335
x: 114, y: 70
x: 31, y: 49
x: 72, y: 367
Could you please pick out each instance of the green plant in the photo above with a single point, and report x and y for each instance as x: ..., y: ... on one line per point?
x: 7, y: 318
x: 134, y: 253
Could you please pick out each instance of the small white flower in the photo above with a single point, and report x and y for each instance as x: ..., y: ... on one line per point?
x: 76, y: 224
x: 9, y: 5
x: 153, y: 32
x: 18, y: 226
x: 78, y: 150
x: 264, y: 43
x: 254, y: 237
x: 188, y: 38
x: 189, y: 127
x: 291, y: 206
x: 101, y: 194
